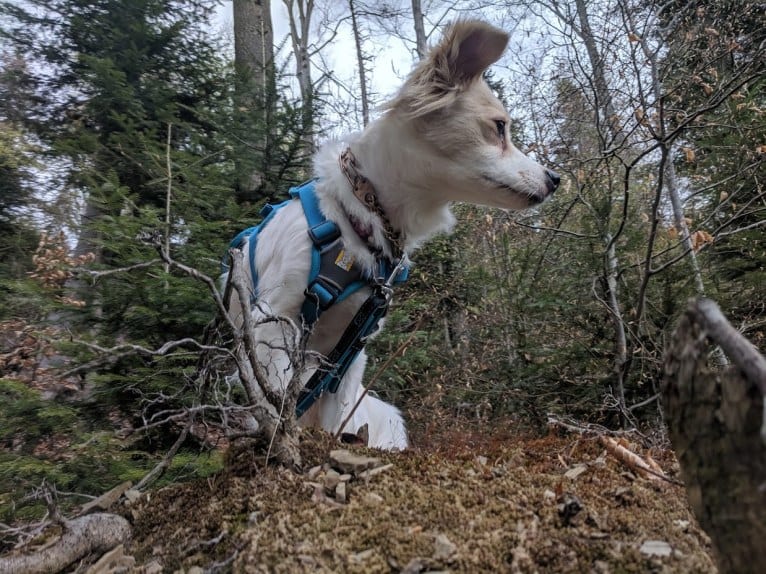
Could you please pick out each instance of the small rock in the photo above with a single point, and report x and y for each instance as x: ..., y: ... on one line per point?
x: 549, y: 495
x: 372, y: 498
x: 373, y: 471
x: 444, y: 548
x: 481, y: 460
x: 340, y: 492
x: 195, y: 570
x: 345, y: 477
x: 132, y: 495
x: 682, y: 524
x: 331, y: 479
x: 362, y: 556
x: 576, y: 471
x: 348, y: 462
x: 414, y: 566
x: 569, y: 507
x: 656, y: 548
x: 314, y: 472
x: 153, y: 567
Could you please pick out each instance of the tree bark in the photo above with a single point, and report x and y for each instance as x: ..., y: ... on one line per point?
x: 299, y: 13
x: 420, y: 30
x: 254, y: 61
x: 716, y: 424
x: 254, y: 38
x: 360, y: 63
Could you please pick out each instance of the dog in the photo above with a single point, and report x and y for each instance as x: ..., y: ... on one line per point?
x: 443, y: 138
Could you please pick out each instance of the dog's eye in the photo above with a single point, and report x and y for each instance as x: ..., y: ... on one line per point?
x: 500, y: 124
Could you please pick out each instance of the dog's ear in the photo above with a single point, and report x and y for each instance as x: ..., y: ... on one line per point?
x: 468, y: 48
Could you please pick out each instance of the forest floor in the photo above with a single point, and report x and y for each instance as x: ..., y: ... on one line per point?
x: 463, y: 503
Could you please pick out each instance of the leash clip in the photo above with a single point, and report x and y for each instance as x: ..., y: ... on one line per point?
x: 388, y: 286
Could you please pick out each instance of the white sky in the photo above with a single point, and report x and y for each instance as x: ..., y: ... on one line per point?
x: 392, y: 59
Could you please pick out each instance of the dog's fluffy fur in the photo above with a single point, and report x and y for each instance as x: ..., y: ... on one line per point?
x: 442, y: 139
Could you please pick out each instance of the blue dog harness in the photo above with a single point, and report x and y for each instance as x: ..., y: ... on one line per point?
x: 333, y: 277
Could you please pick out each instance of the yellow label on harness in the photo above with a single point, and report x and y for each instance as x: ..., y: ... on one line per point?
x: 344, y: 260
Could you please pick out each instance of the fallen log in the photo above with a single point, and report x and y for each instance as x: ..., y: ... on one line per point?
x: 715, y: 419
x: 90, y: 534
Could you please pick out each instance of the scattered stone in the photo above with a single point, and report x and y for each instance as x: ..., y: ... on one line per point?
x: 549, y: 495
x: 314, y: 472
x: 414, y: 566
x: 345, y: 477
x: 340, y: 492
x: 372, y: 498
x: 444, y: 548
x: 656, y: 548
x: 373, y: 471
x: 361, y: 557
x: 330, y: 480
x: 576, y: 471
x: 569, y: 507
x: 348, y: 462
x: 132, y: 495
x: 481, y: 460
x: 153, y: 567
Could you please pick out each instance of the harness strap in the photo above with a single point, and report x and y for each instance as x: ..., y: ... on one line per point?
x: 351, y: 343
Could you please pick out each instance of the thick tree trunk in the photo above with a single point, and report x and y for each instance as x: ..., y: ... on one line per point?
x: 716, y: 424
x: 253, y: 58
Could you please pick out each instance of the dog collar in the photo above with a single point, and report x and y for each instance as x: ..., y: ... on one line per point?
x: 364, y: 191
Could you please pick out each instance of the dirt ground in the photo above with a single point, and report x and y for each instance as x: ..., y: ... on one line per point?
x: 496, y: 503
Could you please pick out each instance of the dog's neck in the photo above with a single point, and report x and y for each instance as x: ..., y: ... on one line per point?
x: 395, y: 161
x: 406, y: 184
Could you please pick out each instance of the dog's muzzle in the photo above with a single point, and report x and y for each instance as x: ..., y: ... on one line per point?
x: 552, y: 180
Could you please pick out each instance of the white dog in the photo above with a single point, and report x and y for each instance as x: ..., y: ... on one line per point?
x: 442, y: 139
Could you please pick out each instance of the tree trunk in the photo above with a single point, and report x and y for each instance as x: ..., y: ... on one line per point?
x: 420, y: 30
x: 716, y: 424
x: 360, y: 63
x: 253, y: 58
x: 299, y: 13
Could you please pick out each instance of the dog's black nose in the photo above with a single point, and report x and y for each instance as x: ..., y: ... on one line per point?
x: 553, y: 180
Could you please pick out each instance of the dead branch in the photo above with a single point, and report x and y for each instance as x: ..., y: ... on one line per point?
x: 90, y: 534
x: 167, y: 460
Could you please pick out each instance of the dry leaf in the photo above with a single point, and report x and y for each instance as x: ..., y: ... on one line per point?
x: 689, y: 154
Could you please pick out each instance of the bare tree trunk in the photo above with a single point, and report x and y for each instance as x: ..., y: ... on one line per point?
x: 716, y: 424
x: 254, y: 59
x: 360, y: 63
x: 254, y: 39
x: 299, y: 13
x: 420, y: 30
